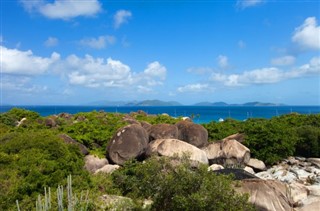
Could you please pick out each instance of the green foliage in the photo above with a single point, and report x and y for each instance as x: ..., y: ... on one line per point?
x: 308, y: 144
x: 16, y: 114
x: 31, y: 160
x: 96, y: 128
x: 269, y: 140
x: 173, y: 186
x: 220, y: 130
x: 157, y: 119
x: 274, y: 139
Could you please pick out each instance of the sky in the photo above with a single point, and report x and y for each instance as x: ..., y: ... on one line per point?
x: 72, y: 52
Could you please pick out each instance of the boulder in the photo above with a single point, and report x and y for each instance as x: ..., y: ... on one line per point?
x: 130, y: 120
x: 249, y: 169
x: 146, y: 125
x: 163, y: 131
x: 67, y: 139
x: 257, y: 164
x: 314, y: 161
x: 227, y: 152
x: 129, y: 142
x: 215, y: 167
x: 50, y: 122
x: 65, y: 116
x: 93, y: 163
x: 107, y: 169
x: 238, y: 136
x: 175, y: 147
x: 265, y: 194
x: 297, y: 192
x: 311, y: 204
x: 152, y: 148
x: 314, y: 190
x: 192, y: 133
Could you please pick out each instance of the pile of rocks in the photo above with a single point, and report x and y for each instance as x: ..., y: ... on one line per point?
x: 292, y: 184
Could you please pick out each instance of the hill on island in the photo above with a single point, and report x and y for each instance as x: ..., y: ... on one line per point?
x: 174, y: 103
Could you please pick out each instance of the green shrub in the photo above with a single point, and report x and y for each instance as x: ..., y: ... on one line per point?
x: 32, y: 160
x: 220, y: 130
x: 178, y: 187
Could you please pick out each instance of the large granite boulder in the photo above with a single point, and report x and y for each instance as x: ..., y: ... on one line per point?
x: 67, y: 139
x: 257, y: 164
x: 268, y: 195
x: 175, y: 147
x: 50, y: 122
x: 227, y: 152
x: 192, y: 133
x: 163, y: 131
x: 93, y: 163
x: 129, y: 142
x: 146, y: 125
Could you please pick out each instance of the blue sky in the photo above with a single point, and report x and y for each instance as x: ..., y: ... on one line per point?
x: 79, y: 51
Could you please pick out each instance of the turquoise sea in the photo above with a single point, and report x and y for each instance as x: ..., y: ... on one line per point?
x: 203, y: 114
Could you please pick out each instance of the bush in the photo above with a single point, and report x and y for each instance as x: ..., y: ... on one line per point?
x: 32, y: 160
x: 178, y: 187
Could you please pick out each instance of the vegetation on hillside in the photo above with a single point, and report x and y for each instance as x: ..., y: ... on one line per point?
x: 32, y: 156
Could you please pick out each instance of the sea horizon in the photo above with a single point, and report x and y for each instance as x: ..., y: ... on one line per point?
x: 200, y: 114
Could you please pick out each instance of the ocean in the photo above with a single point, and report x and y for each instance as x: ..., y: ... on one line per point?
x: 202, y: 114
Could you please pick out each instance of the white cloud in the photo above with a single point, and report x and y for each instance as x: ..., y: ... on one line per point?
x: 98, y: 72
x: 63, y: 9
x: 268, y: 75
x: 223, y: 61
x: 98, y: 43
x: 121, y: 17
x: 242, y: 4
x: 193, y: 88
x: 155, y: 69
x: 20, y: 84
x: 87, y: 71
x: 144, y: 89
x: 241, y: 44
x: 51, y: 42
x: 19, y: 62
x: 307, y: 36
x: 283, y: 61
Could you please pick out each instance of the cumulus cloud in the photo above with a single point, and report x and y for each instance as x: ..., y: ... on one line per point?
x: 19, y: 62
x: 268, y: 75
x: 98, y: 43
x: 242, y: 4
x: 98, y: 72
x: 222, y: 61
x: 155, y: 69
x: 283, y: 61
x: 63, y: 9
x: 51, y: 42
x: 307, y: 36
x: 87, y: 71
x: 193, y: 88
x: 21, y: 84
x: 121, y: 17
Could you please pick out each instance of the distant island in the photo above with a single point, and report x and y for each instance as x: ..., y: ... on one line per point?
x: 174, y: 103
